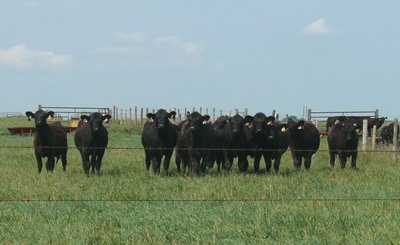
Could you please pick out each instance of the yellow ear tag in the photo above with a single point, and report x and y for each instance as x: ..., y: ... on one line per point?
x: 270, y: 123
x: 84, y: 121
x: 204, y: 122
x: 209, y: 121
x: 250, y: 125
x: 150, y: 120
x: 300, y: 127
x: 283, y: 129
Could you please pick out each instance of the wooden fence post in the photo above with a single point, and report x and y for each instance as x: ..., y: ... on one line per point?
x: 396, y: 123
x: 277, y: 117
x: 220, y: 112
x: 309, y: 115
x: 273, y: 113
x: 141, y: 116
x: 374, y: 138
x: 365, y: 135
x: 135, y: 115
x: 111, y: 121
x: 236, y: 111
x: 214, y: 114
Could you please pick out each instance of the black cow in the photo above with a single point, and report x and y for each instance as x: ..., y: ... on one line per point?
x: 343, y: 141
x: 359, y: 121
x: 195, y: 144
x: 91, y: 139
x: 231, y: 142
x: 50, y: 140
x: 304, y: 142
x: 159, y: 139
x: 330, y: 121
x: 269, y: 141
x: 387, y: 133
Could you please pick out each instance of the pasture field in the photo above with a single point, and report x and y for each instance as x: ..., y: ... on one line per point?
x: 128, y: 204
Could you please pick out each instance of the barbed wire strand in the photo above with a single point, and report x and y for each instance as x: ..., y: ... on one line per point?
x: 216, y: 200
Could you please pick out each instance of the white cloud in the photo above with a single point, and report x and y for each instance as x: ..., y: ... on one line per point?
x: 193, y: 48
x: 130, y: 37
x: 21, y: 57
x: 171, y: 41
x: 318, y: 27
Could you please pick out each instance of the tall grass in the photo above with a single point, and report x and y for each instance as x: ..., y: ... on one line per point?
x: 128, y: 204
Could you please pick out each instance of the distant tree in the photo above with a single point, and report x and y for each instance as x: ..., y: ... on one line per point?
x: 293, y: 117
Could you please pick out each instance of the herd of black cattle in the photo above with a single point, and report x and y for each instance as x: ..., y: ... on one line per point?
x: 198, y: 143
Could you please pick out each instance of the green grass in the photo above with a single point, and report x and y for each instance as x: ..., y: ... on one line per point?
x: 128, y: 204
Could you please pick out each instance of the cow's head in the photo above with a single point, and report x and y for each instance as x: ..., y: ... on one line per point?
x: 40, y: 117
x: 236, y: 123
x: 271, y: 130
x: 161, y: 118
x: 350, y: 130
x: 196, y: 120
x: 248, y: 121
x: 259, y: 123
x: 296, y: 128
x: 95, y: 120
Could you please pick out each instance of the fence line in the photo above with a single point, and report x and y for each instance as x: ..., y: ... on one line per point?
x: 138, y: 116
x: 283, y: 200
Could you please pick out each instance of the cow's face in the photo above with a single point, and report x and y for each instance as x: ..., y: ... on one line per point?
x: 40, y: 117
x: 350, y: 129
x: 95, y: 121
x: 196, y: 120
x: 271, y: 130
x: 259, y: 123
x: 161, y: 118
x: 236, y: 123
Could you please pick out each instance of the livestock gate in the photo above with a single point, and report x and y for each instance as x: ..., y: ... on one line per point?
x: 69, y: 113
x: 325, y: 114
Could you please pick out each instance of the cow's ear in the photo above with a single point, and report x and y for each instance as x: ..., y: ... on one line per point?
x: 300, y: 124
x: 172, y: 114
x: 30, y: 115
x: 150, y: 116
x: 106, y: 118
x: 270, y: 120
x: 85, y: 119
x: 50, y: 114
x: 206, y: 119
x: 284, y: 128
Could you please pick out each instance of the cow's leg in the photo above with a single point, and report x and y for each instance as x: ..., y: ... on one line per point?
x: 93, y: 162
x: 354, y: 161
x: 268, y: 161
x: 148, y: 159
x: 178, y: 161
x: 85, y: 162
x: 277, y: 163
x: 167, y: 159
x: 39, y: 161
x: 242, y: 162
x: 228, y: 160
x: 219, y: 157
x: 50, y: 164
x: 257, y: 159
x: 296, y: 159
x: 343, y: 160
x: 307, y: 161
x: 332, y: 157
x: 155, y: 163
x: 64, y: 160
x: 99, y: 159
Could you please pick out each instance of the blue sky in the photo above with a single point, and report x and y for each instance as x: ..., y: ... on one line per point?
x: 260, y: 55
